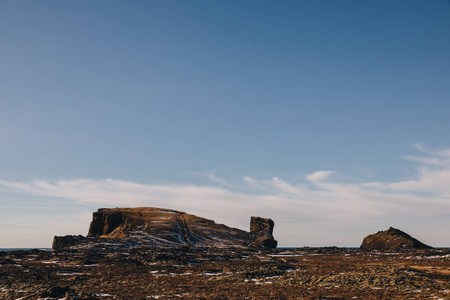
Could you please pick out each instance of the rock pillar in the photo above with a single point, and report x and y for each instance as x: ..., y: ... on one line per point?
x: 261, y: 230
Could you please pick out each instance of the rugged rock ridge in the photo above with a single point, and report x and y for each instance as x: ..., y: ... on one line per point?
x: 391, y: 239
x: 158, y: 227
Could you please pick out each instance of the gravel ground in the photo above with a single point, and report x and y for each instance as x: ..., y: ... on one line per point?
x: 202, y: 273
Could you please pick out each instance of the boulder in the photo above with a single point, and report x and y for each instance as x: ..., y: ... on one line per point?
x: 391, y: 239
x: 261, y: 230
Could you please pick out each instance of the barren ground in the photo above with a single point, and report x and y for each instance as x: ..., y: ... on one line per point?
x: 303, y: 273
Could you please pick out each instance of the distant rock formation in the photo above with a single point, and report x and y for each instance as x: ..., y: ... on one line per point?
x: 158, y: 227
x: 261, y: 233
x: 62, y: 242
x: 391, y: 239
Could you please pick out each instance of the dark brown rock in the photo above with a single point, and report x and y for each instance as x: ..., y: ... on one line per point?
x: 391, y: 239
x: 157, y: 227
x: 261, y: 230
x: 63, y: 242
x: 55, y: 292
x: 104, y: 222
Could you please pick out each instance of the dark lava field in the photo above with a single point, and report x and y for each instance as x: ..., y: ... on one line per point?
x: 208, y: 273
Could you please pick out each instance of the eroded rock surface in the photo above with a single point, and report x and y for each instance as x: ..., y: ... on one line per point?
x: 261, y: 230
x: 63, y: 242
x: 391, y: 239
x: 158, y: 227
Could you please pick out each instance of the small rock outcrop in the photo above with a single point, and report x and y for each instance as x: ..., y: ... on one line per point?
x: 391, y: 239
x: 62, y: 242
x: 261, y: 230
x: 158, y: 227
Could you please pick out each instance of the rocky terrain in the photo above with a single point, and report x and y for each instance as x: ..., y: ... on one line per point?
x: 159, y: 227
x: 218, y: 273
x: 391, y: 239
x: 153, y: 253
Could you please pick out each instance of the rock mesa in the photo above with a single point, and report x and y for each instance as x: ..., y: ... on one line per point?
x: 158, y: 227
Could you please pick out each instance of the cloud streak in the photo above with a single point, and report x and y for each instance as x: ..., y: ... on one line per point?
x: 317, y: 203
x: 319, y: 176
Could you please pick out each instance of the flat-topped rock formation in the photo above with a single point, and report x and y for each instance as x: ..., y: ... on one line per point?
x: 158, y: 227
x: 391, y: 239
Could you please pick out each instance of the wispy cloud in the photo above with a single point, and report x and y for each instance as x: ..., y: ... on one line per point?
x: 433, y: 174
x: 438, y: 158
x: 318, y: 203
x: 319, y: 176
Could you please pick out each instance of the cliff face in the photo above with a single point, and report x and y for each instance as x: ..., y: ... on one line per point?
x: 391, y: 239
x: 165, y: 228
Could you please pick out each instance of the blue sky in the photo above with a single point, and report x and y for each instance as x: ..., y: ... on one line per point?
x: 331, y: 117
